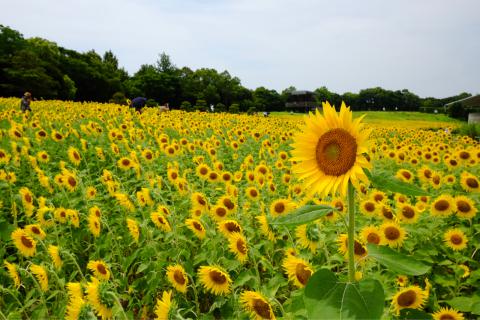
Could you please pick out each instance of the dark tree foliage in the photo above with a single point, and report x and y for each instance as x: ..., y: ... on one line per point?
x: 52, y: 72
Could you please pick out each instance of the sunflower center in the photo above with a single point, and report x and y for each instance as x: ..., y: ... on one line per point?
x: 241, y: 246
x: 197, y: 226
x: 407, y: 175
x: 302, y: 273
x: 373, y: 238
x: 463, y: 206
x: 28, y: 198
x: 408, y: 212
x: 72, y: 181
x: 456, y: 239
x: 359, y: 250
x: 378, y: 198
x: 203, y: 171
x: 464, y: 155
x: 201, y: 201
x: 392, y: 233
x: 178, y: 276
x: 76, y: 156
x: 336, y: 152
x: 221, y: 212
x: 406, y: 299
x: 441, y: 205
x: 253, y: 193
x: 472, y: 183
x: 174, y: 175
x: 261, y: 308
x: 279, y: 207
x: 232, y: 227
x: 229, y: 204
x: 101, y: 268
x: 387, y: 213
x: 447, y: 317
x: 369, y: 207
x: 35, y: 230
x: 27, y: 242
x: 217, y: 277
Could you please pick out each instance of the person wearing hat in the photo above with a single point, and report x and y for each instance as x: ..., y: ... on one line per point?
x: 25, y: 103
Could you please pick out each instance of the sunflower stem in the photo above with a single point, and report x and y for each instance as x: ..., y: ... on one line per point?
x: 351, y: 233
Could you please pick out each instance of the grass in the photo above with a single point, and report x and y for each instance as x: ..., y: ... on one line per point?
x: 393, y: 119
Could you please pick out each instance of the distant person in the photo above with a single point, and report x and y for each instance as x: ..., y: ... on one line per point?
x: 138, y: 103
x: 25, y: 102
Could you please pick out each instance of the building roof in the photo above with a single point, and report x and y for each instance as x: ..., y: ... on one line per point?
x: 300, y: 92
x: 473, y: 101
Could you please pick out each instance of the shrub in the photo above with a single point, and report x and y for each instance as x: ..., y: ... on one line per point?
x: 457, y: 111
x: 201, y: 105
x: 251, y: 110
x: 152, y: 103
x: 220, y: 107
x: 186, y: 106
x: 472, y: 130
x: 234, y: 108
x: 119, y: 98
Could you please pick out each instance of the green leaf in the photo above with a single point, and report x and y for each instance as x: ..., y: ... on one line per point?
x: 303, y: 215
x: 397, y: 262
x: 326, y: 298
x: 407, y: 314
x: 384, y: 181
x: 466, y: 304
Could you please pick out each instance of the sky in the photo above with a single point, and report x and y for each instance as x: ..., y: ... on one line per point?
x: 430, y: 47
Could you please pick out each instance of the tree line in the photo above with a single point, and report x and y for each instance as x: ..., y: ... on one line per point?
x: 53, y: 72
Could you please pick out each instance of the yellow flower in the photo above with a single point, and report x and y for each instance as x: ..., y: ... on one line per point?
x: 393, y: 234
x: 469, y: 182
x: 308, y: 236
x: 41, y: 274
x: 12, y: 272
x: 329, y: 153
x: 238, y: 246
x: 177, y: 277
x: 371, y: 234
x: 24, y: 243
x: 455, y: 239
x: 99, y: 269
x: 297, y: 270
x: 36, y: 231
x: 447, y: 313
x: 442, y: 206
x: 215, y: 280
x: 256, y: 305
x: 95, y: 298
x: 163, y: 306
x: 55, y: 255
x: 265, y: 227
x: 405, y: 175
x: 27, y: 201
x: 74, y: 156
x: 75, y: 301
x: 133, y: 229
x: 229, y: 227
x: 465, y: 207
x: 197, y: 227
x: 412, y: 297
x: 160, y: 221
x: 281, y: 207
x: 407, y: 213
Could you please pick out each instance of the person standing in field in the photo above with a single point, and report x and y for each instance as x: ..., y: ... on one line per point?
x: 25, y: 102
x: 138, y: 103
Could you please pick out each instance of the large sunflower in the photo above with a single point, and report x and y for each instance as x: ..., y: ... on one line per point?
x: 412, y: 297
x: 99, y: 269
x: 177, y: 277
x: 447, y: 314
x: 465, y: 207
x: 215, y: 280
x: 24, y: 243
x: 256, y: 305
x: 329, y: 151
x: 163, y: 306
x: 238, y: 246
x: 297, y: 270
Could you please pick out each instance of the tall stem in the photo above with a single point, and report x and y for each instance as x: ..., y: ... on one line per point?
x: 351, y: 233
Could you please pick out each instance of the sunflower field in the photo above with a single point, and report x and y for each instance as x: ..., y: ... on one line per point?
x: 113, y: 214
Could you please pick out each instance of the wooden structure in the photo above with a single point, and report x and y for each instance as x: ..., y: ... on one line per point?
x: 301, y: 100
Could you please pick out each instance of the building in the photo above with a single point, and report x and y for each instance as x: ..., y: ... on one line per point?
x: 471, y: 105
x: 301, y: 100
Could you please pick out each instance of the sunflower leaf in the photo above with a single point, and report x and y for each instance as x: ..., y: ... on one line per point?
x: 326, y: 298
x: 303, y: 215
x: 383, y: 181
x: 397, y: 262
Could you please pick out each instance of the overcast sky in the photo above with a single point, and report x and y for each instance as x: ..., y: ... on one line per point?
x: 431, y: 47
